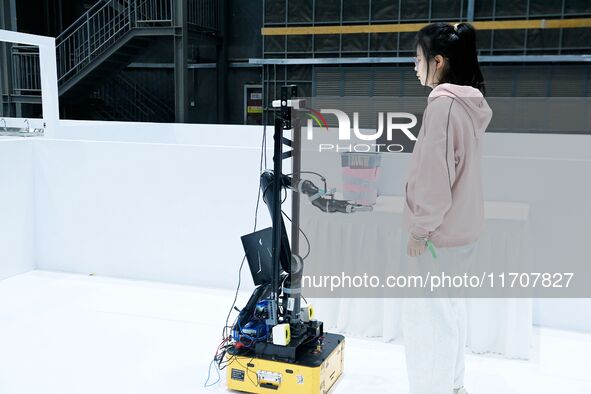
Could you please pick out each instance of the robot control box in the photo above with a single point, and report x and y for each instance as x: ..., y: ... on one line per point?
x: 314, y: 372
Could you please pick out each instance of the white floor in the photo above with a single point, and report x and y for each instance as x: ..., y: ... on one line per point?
x: 75, y: 334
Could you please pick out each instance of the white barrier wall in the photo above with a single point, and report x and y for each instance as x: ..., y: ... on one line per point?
x: 171, y: 210
x: 552, y: 173
x: 17, y: 232
x: 146, y: 204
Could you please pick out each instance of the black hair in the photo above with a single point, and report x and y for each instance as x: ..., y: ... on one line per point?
x: 458, y: 46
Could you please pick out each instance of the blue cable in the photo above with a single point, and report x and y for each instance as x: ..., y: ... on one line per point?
x: 209, y: 374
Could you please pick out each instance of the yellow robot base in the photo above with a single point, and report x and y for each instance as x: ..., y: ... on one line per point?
x: 314, y: 372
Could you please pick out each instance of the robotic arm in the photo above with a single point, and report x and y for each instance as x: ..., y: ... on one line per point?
x: 314, y: 194
x: 326, y: 204
x: 277, y: 304
x: 292, y: 265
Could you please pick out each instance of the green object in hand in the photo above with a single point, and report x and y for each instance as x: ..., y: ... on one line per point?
x: 431, y: 248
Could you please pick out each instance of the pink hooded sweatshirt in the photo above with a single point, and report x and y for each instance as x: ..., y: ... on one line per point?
x: 444, y: 198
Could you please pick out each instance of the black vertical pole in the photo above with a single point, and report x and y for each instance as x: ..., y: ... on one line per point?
x: 181, y: 39
x: 222, y: 62
x: 295, y: 196
x: 277, y: 168
x: 7, y: 22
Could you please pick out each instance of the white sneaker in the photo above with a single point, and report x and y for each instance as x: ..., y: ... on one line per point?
x: 461, y: 390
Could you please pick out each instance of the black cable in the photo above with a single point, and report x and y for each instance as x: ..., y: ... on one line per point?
x: 311, y: 172
x: 265, y: 105
x: 267, y: 188
x: 219, y: 357
x: 247, y: 371
x: 303, y: 233
x: 244, y: 257
x: 225, y: 334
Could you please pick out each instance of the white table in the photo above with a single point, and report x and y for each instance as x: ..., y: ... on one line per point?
x: 500, y: 325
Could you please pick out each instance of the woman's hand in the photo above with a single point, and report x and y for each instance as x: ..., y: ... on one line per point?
x: 415, y: 248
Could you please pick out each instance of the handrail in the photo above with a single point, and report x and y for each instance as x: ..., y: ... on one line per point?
x: 106, y: 23
x: 26, y: 71
x: 97, y: 27
x: 204, y: 14
x: 133, y: 101
x: 145, y: 94
x: 91, y: 10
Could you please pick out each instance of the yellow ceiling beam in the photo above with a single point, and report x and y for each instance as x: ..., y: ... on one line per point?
x: 413, y: 27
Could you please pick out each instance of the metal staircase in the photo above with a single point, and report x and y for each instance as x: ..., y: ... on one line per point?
x: 26, y: 81
x: 123, y: 99
x: 111, y: 25
x: 105, y: 40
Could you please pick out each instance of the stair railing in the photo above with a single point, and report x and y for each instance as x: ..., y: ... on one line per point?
x: 26, y: 73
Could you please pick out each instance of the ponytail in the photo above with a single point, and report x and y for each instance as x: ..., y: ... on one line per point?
x: 457, y: 44
x: 466, y: 33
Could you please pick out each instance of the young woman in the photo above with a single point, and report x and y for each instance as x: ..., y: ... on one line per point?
x: 444, y: 202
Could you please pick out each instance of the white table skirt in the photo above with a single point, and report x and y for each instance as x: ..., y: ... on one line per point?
x: 500, y: 325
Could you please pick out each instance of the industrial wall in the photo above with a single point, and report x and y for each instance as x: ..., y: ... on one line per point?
x: 516, y: 78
